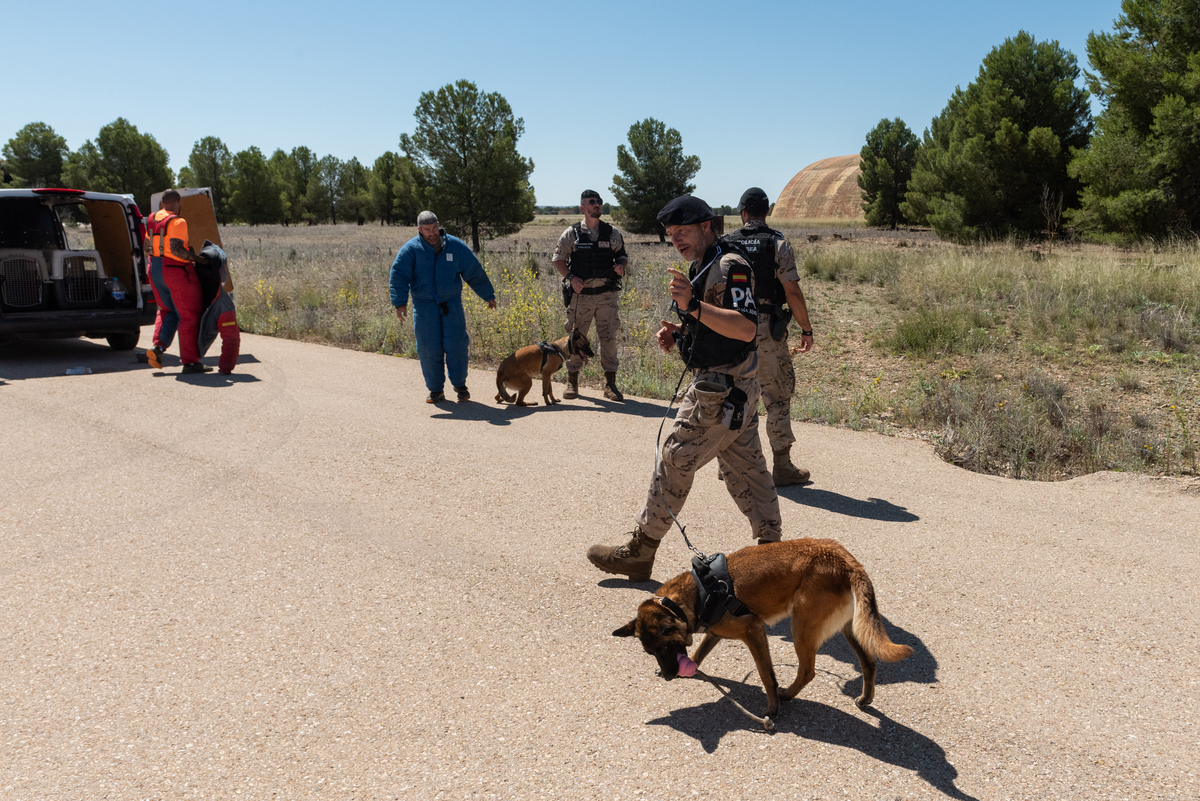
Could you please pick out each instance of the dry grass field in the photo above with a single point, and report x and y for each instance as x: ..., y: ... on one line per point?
x: 1011, y: 359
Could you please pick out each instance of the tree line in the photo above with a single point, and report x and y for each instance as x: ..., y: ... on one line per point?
x: 290, y: 188
x: 1018, y: 151
x: 461, y: 160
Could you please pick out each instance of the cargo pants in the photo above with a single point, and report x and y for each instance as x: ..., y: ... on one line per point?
x: 777, y: 376
x: 691, y: 445
x: 602, y: 308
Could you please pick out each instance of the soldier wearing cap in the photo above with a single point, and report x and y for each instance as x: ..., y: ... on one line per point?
x: 590, y: 256
x: 775, y: 282
x: 718, y: 415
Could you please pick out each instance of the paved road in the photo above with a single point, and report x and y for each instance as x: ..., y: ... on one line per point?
x: 301, y: 581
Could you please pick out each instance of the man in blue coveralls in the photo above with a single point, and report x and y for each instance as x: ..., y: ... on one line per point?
x: 432, y: 266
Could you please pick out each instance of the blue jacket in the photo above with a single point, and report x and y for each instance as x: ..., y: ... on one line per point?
x: 436, y: 278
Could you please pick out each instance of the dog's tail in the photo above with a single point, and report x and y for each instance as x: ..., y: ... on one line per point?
x: 501, y: 395
x: 868, y: 625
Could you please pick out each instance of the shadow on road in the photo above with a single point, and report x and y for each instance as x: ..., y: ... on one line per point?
x: 502, y: 414
x: 870, y: 509
x: 213, y: 380
x: 616, y: 583
x: 48, y: 358
x: 920, y: 668
x: 889, y: 742
x: 629, y: 406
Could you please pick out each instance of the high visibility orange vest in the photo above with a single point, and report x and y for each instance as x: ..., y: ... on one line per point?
x: 159, y: 238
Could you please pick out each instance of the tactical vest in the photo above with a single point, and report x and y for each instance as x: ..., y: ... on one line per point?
x: 758, y: 242
x: 160, y: 246
x: 590, y: 260
x: 700, y: 346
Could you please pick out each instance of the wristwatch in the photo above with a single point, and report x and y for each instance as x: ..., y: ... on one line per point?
x: 693, y: 304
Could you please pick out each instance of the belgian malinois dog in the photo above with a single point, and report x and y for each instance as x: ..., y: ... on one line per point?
x: 815, y: 582
x: 518, y: 370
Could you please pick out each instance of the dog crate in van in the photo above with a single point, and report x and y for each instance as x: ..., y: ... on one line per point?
x: 88, y: 282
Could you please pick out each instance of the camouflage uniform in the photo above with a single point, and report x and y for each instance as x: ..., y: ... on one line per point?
x: 776, y: 374
x: 691, y: 445
x: 602, y: 307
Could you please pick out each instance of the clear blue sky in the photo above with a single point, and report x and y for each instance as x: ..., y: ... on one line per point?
x: 757, y: 93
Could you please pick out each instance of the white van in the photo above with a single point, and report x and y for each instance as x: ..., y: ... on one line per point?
x: 83, y: 279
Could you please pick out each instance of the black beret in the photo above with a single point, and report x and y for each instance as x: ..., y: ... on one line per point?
x: 754, y: 199
x: 590, y: 193
x: 685, y: 210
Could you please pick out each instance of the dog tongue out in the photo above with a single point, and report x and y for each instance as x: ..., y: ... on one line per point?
x: 686, y: 666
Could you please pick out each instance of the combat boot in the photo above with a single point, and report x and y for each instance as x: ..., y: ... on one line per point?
x: 610, y: 387
x: 786, y: 474
x: 572, y: 390
x: 633, y: 559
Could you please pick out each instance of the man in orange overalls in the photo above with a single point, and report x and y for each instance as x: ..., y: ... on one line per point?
x: 167, y: 234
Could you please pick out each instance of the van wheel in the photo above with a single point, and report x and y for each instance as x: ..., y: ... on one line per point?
x: 125, y: 341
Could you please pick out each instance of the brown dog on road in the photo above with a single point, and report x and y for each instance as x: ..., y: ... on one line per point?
x: 518, y: 370
x: 816, y: 582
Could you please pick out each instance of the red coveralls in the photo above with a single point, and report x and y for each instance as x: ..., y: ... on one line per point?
x: 180, y: 279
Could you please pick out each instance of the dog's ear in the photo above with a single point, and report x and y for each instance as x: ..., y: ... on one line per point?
x: 626, y: 630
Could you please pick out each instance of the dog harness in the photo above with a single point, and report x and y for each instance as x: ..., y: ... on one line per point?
x: 714, y: 594
x: 714, y: 590
x: 548, y: 349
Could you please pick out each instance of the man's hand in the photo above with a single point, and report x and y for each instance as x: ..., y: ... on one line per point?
x: 806, y: 344
x: 619, y: 269
x: 666, y: 335
x: 402, y: 312
x: 681, y: 288
x: 576, y: 284
x: 492, y: 303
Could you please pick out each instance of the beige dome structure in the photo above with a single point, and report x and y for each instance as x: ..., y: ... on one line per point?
x: 824, y: 190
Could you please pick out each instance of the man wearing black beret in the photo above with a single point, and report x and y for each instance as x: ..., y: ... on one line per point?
x: 718, y: 415
x: 775, y: 282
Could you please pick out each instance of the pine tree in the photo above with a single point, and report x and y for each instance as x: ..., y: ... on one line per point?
x: 465, y: 144
x: 1142, y: 170
x: 654, y: 171
x: 887, y: 164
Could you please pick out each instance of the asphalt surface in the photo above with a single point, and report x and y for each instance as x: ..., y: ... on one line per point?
x: 301, y: 581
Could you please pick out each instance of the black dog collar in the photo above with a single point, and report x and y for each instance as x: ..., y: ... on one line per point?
x: 674, y: 608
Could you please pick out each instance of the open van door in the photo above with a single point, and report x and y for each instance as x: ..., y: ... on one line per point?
x: 196, y: 207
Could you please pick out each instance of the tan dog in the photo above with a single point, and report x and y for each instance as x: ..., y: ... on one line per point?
x: 816, y: 582
x: 518, y: 370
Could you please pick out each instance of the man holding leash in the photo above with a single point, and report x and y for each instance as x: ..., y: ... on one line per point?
x: 432, y: 266
x: 718, y: 415
x: 775, y: 282
x: 590, y: 256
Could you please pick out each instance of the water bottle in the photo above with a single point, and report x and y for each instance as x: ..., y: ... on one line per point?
x: 117, y: 289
